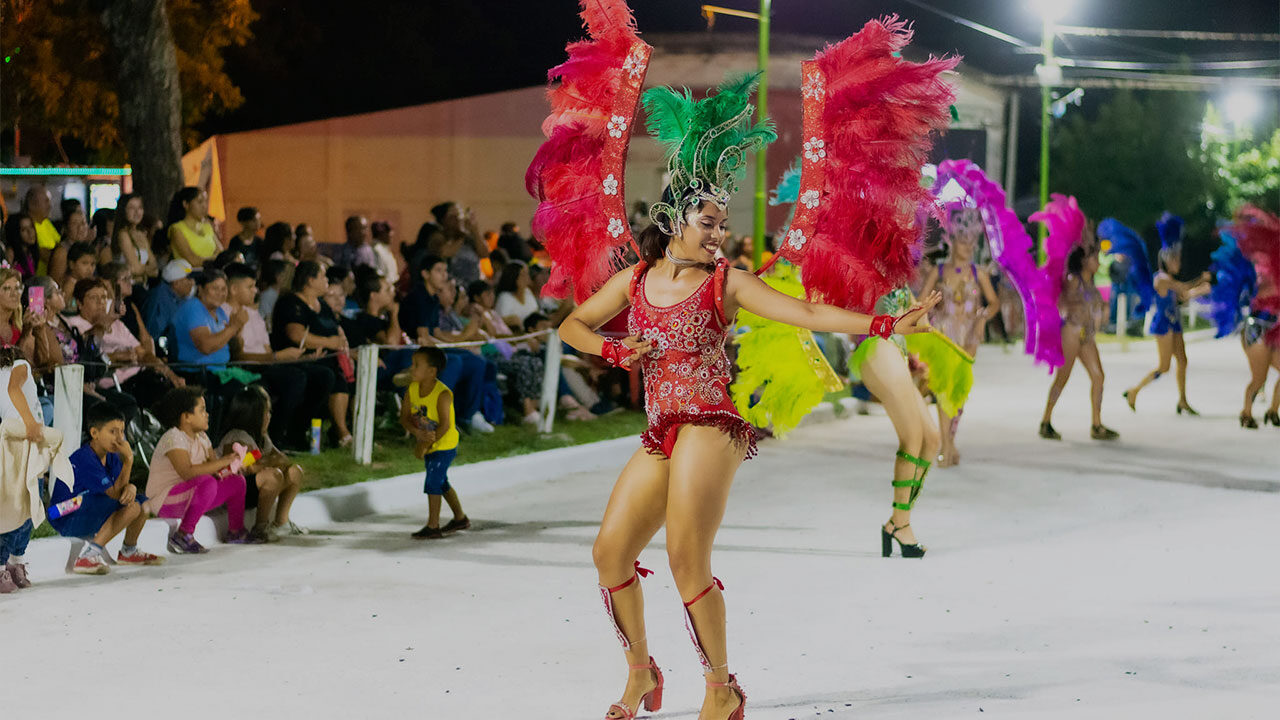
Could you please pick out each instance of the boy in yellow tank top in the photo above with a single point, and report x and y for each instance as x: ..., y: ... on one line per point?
x: 427, y: 414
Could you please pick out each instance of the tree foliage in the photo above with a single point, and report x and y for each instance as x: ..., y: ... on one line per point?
x: 1139, y: 157
x: 60, y: 77
x: 1245, y: 171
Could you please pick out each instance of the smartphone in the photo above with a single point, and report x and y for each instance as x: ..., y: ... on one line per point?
x: 35, y: 300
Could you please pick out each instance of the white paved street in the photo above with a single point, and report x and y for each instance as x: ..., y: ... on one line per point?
x: 1064, y: 580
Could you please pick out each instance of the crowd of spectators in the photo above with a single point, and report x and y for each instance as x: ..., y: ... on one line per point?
x: 212, y: 339
x: 148, y: 305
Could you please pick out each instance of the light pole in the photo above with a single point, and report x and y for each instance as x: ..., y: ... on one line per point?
x: 762, y: 100
x: 1049, y: 73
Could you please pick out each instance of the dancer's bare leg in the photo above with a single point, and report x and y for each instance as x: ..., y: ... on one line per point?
x: 1070, y: 349
x: 1180, y: 355
x: 636, y: 510
x: 1165, y: 346
x: 1260, y: 357
x: 1093, y: 365
x: 1275, y: 393
x: 703, y: 463
x: 885, y: 374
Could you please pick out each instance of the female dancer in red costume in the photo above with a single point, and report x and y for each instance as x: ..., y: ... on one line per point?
x: 682, y: 301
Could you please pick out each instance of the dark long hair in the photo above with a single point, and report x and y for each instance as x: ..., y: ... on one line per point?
x: 274, y: 238
x: 122, y: 222
x: 22, y: 257
x: 507, y: 282
x: 177, y: 209
x: 246, y: 411
x: 653, y: 244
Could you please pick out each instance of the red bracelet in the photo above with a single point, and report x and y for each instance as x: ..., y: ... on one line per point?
x: 614, y: 352
x: 882, y: 326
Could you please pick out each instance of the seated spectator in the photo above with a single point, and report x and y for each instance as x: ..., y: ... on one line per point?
x: 191, y: 235
x: 515, y: 246
x: 247, y: 242
x: 342, y: 286
x: 276, y: 481
x: 466, y: 374
x: 75, y: 229
x: 516, y: 299
x: 100, y: 327
x: 82, y: 264
x: 274, y: 279
x: 383, y: 239
x: 120, y: 281
x: 130, y: 244
x: 36, y: 205
x: 56, y: 344
x: 498, y: 261
x: 523, y: 369
x: 462, y: 242
x: 300, y: 388
x: 162, y: 302
x: 12, y: 332
x: 203, y: 333
x: 306, y: 249
x: 358, y: 250
x: 378, y: 323
x: 303, y: 320
x: 22, y: 243
x: 278, y: 243
x: 103, y: 224
x: 185, y: 479
x: 109, y: 503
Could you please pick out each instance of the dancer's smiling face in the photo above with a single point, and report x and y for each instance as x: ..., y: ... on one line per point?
x: 703, y: 232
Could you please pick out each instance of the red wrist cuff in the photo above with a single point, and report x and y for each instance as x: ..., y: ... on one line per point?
x: 882, y: 326
x: 614, y: 352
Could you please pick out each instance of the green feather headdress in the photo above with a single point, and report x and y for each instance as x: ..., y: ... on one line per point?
x: 707, y: 143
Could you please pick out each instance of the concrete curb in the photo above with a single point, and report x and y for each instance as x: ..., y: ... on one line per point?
x: 396, y: 494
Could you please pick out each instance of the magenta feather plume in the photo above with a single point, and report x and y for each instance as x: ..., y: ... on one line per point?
x: 1065, y: 223
x: 1015, y: 251
x: 879, y: 113
x: 568, y: 174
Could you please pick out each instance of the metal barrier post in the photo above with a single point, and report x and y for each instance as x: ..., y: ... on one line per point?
x: 366, y: 402
x: 550, y: 380
x: 1122, y: 320
x: 68, y: 402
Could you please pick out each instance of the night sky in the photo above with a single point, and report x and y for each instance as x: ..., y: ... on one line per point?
x: 312, y: 59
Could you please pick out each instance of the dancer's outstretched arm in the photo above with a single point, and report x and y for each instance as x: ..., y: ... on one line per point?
x: 744, y: 290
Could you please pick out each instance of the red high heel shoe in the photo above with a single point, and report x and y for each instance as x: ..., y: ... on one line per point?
x: 739, y: 712
x: 652, y: 700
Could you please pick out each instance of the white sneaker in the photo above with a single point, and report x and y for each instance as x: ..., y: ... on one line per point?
x: 534, y: 418
x: 479, y: 424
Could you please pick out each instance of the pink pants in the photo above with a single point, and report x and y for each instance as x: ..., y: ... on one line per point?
x: 207, y: 493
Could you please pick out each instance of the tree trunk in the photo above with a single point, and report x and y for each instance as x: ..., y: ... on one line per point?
x: 150, y: 96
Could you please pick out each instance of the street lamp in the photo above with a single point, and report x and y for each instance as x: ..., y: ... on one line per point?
x: 762, y: 101
x: 1242, y: 106
x: 1049, y: 74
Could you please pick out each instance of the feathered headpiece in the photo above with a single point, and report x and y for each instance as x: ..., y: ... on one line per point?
x: 577, y: 173
x: 788, y: 189
x: 1127, y: 243
x: 1169, y: 226
x: 707, y: 144
x: 963, y: 226
x: 1014, y: 250
x: 868, y: 119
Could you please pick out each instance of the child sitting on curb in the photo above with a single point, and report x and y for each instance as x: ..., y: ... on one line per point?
x: 276, y: 480
x: 186, y: 480
x: 427, y: 413
x: 109, y: 503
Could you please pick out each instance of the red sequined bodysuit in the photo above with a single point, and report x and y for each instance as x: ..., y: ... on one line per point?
x: 686, y: 374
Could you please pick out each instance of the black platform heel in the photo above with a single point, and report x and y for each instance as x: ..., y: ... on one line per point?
x: 1189, y: 410
x: 915, y: 483
x: 1271, y: 418
x: 1048, y: 433
x: 1247, y: 421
